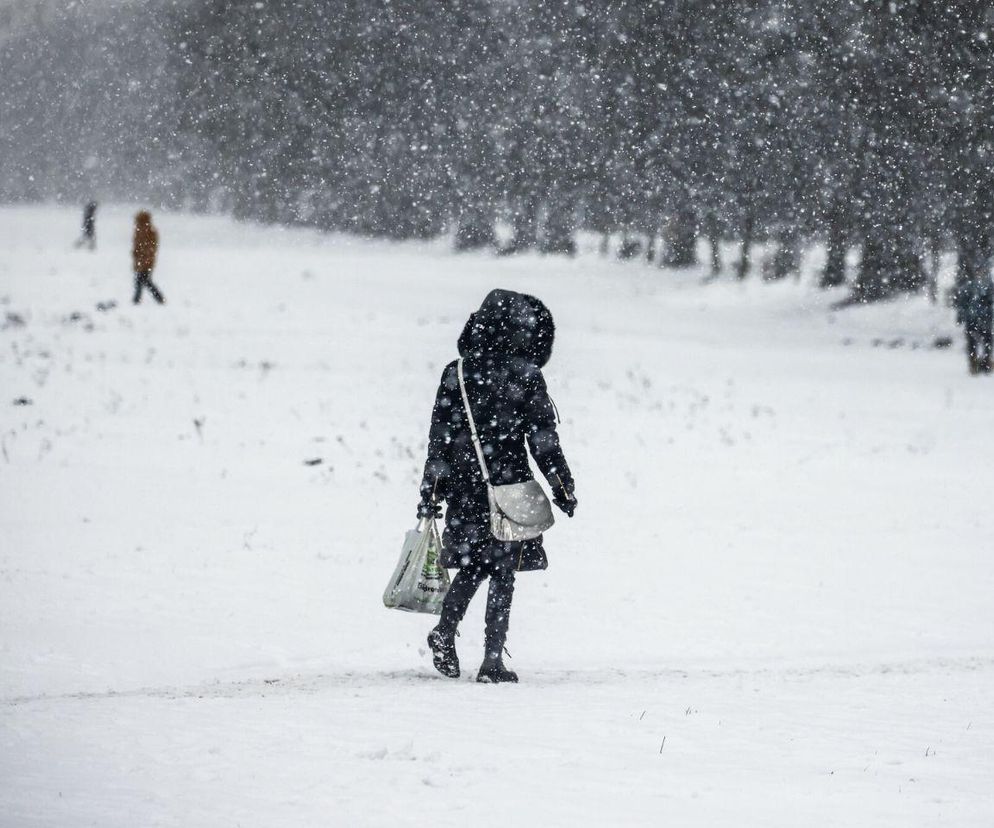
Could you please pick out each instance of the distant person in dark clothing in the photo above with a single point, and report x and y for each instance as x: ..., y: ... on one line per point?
x: 89, y: 237
x: 143, y: 252
x: 975, y: 312
x: 504, y: 347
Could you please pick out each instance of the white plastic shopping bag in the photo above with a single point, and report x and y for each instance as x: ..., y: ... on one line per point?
x: 419, y: 582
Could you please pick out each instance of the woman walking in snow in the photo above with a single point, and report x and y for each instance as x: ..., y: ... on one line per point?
x: 143, y: 252
x: 974, y: 301
x: 504, y: 347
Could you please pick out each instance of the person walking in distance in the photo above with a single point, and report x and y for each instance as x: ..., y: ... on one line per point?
x: 974, y: 301
x: 89, y: 237
x: 504, y: 346
x: 143, y: 253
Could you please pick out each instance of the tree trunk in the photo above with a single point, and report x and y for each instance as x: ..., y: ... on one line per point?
x: 524, y: 221
x: 630, y: 247
x: 891, y: 261
x: 973, y: 258
x: 744, y: 264
x: 557, y: 237
x: 713, y: 232
x: 890, y: 264
x: 973, y: 237
x: 834, y: 273
x: 787, y: 259
x: 475, y: 229
x: 935, y: 262
x: 681, y: 240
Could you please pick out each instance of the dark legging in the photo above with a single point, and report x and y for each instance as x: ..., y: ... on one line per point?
x: 499, y: 596
x: 143, y: 279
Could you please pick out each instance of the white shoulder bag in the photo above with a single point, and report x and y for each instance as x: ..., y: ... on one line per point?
x: 518, y: 511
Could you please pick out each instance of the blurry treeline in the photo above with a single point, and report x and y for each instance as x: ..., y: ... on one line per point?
x: 865, y: 123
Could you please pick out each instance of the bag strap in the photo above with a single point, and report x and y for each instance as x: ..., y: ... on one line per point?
x: 472, y: 423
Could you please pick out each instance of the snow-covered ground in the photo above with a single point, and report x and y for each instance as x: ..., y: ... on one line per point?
x: 775, y: 606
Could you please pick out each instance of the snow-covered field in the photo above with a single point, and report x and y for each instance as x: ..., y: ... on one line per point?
x: 775, y: 606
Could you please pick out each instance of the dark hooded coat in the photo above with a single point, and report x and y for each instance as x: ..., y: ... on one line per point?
x: 975, y: 303
x: 504, y: 345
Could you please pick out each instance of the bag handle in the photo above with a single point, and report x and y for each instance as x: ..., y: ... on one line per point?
x: 472, y: 422
x: 423, y: 522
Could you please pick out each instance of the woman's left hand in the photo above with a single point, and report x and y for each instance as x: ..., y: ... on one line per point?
x: 429, y: 510
x: 565, y: 501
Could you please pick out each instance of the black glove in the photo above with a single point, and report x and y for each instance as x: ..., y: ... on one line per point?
x: 429, y: 510
x: 566, y: 501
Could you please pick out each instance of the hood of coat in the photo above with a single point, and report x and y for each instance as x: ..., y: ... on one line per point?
x: 143, y: 219
x: 510, y: 323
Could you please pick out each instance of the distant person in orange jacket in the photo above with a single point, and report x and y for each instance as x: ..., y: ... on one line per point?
x: 143, y: 250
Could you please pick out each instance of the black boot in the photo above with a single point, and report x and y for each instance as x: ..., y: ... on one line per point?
x: 442, y: 639
x: 493, y: 671
x: 443, y: 653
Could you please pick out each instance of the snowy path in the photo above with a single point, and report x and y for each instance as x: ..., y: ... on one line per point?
x: 880, y: 747
x: 781, y: 564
